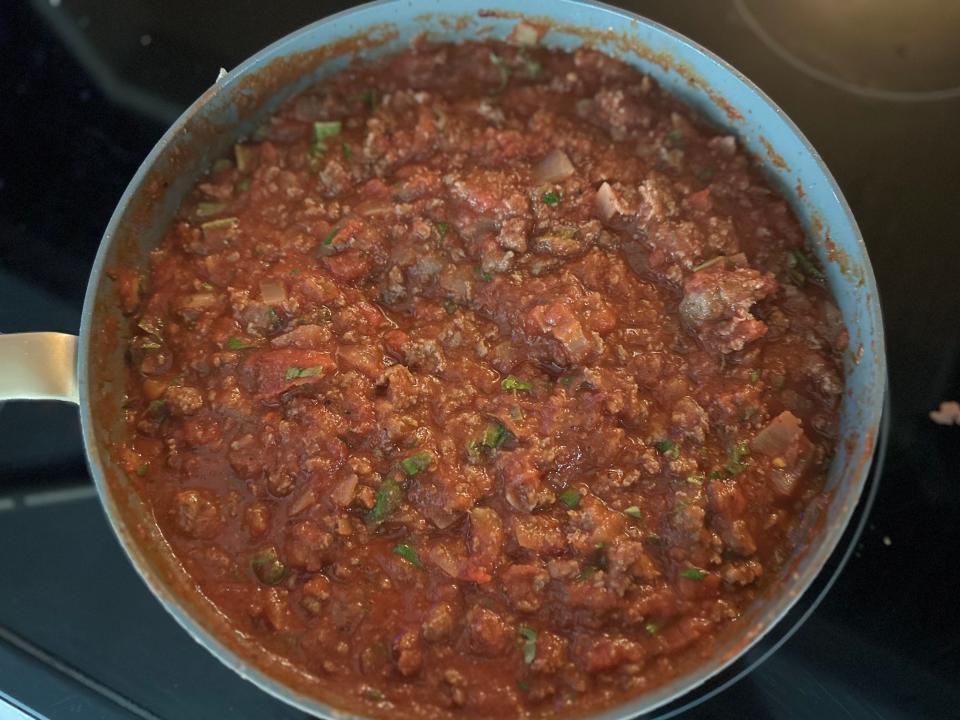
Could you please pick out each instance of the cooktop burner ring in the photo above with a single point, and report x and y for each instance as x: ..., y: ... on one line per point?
x: 807, y: 67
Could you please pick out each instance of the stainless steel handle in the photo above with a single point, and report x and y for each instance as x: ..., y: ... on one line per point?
x: 38, y: 366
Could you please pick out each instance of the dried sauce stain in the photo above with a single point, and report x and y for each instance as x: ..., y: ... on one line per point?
x: 848, y: 267
x: 774, y: 156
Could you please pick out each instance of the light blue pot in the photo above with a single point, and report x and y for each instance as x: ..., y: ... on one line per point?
x: 240, y: 100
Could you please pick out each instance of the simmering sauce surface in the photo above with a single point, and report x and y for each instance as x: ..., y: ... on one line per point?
x: 484, y: 381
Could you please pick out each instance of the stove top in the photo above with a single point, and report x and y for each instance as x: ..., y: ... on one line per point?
x: 87, y: 88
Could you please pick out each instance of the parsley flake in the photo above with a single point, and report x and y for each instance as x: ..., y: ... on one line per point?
x: 529, y: 636
x: 408, y: 553
x: 236, y: 343
x: 551, y: 198
x: 570, y: 498
x: 668, y: 448
x: 511, y: 382
x: 294, y: 373
x: 417, y: 462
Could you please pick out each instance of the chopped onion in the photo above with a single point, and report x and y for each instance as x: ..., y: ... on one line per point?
x: 526, y: 34
x: 342, y: 494
x: 784, y: 483
x: 778, y: 436
x: 724, y: 144
x: 374, y: 207
x: 443, y: 558
x: 198, y: 301
x: 554, y: 167
x: 607, y: 202
x: 303, y: 502
x: 273, y: 292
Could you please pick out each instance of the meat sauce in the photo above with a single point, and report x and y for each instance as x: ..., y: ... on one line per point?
x: 483, y: 381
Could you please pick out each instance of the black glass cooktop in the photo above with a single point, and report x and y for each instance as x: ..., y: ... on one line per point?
x: 87, y: 87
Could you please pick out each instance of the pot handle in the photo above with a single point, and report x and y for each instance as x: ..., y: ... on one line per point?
x: 38, y: 366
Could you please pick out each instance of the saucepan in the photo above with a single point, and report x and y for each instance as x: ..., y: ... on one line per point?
x: 89, y: 369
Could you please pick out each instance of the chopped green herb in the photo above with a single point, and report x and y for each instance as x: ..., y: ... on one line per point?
x: 778, y: 382
x: 533, y: 66
x: 633, y: 511
x: 754, y: 376
x: 675, y: 138
x: 387, y: 500
x: 293, y: 373
x: 693, y: 573
x: 495, y: 435
x: 708, y: 264
x: 408, y: 554
x: 267, y: 566
x: 246, y: 156
x: 222, y: 229
x: 695, y: 479
x: 442, y: 228
x: 551, y: 198
x: 143, y: 470
x: 566, y: 380
x: 274, y: 317
x: 322, y: 131
x: 587, y: 572
x: 484, y: 275
x: 529, y: 636
x: 510, y: 382
x: 243, y: 184
x: 570, y: 498
x: 705, y: 174
x: 449, y: 306
x: 523, y: 685
x: 651, y: 628
x: 372, y: 694
x: 328, y: 240
x: 236, y: 343
x: 715, y: 475
x: 417, y: 462
x: 501, y: 65
x: 369, y: 98
x: 668, y: 448
x: 206, y: 209
x: 738, y: 452
x: 807, y: 266
x: 473, y: 452
x: 157, y: 409
x: 346, y: 150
